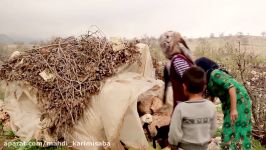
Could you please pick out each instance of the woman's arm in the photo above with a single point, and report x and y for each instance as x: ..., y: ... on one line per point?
x: 166, y: 77
x: 233, y: 110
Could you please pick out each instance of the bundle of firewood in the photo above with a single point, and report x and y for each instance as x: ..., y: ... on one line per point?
x: 66, y: 73
x: 152, y: 110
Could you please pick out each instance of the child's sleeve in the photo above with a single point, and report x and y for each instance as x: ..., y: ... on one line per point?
x: 175, y: 132
x: 222, y: 79
x: 213, y: 123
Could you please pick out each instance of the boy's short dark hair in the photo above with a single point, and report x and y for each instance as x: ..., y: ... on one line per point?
x: 195, y: 79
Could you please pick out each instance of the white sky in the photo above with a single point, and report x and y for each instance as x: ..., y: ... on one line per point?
x: 130, y: 18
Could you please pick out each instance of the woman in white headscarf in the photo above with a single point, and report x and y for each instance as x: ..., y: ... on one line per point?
x: 177, y: 51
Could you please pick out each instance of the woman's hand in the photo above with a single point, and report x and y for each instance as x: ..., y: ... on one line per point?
x: 233, y: 111
x: 233, y: 115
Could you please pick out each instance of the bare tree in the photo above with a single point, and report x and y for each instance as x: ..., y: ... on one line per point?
x: 263, y: 33
x: 257, y: 81
x: 212, y: 35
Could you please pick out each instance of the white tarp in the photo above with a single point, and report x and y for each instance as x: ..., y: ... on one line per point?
x: 112, y: 115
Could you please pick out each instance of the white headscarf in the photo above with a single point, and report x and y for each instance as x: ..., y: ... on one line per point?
x: 169, y: 42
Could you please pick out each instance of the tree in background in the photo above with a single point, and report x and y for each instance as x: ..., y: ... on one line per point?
x: 263, y: 33
x: 221, y: 35
x: 239, y: 34
x: 212, y: 35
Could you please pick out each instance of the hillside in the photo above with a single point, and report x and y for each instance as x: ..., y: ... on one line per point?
x: 5, y: 39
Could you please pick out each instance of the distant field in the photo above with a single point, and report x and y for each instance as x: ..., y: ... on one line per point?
x: 253, y: 44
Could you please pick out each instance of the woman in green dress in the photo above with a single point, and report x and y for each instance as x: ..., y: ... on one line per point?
x: 236, y: 106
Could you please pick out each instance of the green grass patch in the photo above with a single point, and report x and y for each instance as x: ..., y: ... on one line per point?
x: 9, y: 134
x: 257, y: 145
x: 219, y: 108
x: 218, y: 132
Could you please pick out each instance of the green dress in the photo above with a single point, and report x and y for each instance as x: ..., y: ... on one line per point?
x: 236, y: 136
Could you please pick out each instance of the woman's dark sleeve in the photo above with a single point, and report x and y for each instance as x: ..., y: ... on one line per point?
x: 166, y: 78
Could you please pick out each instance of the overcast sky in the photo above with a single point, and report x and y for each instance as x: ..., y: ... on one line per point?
x: 130, y: 18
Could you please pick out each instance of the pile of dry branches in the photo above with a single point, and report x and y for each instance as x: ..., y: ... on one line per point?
x: 78, y: 67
